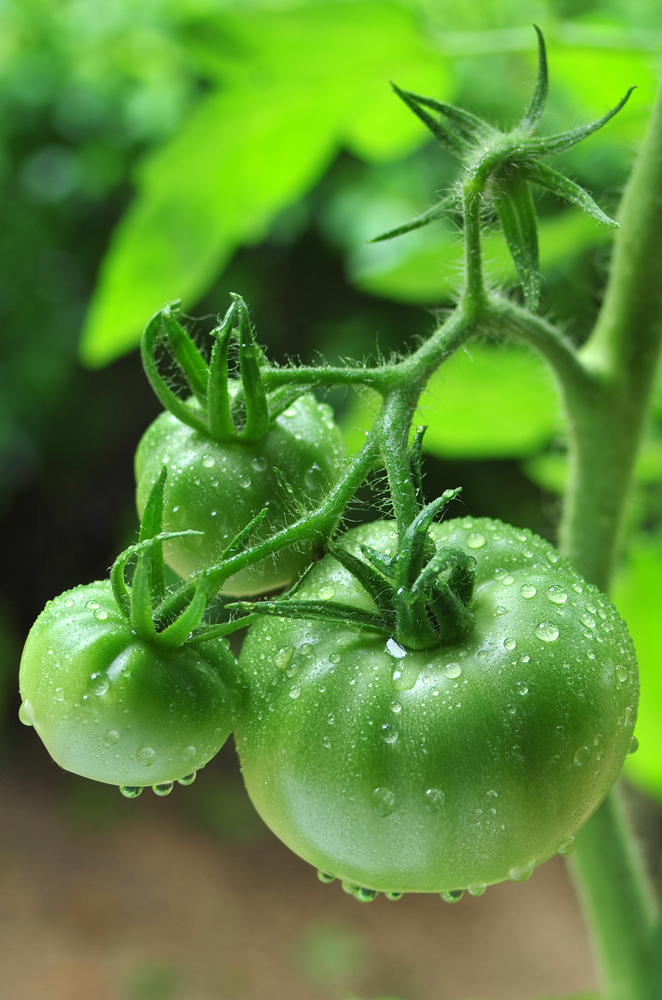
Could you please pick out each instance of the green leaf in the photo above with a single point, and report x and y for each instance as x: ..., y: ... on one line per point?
x: 487, y: 402
x: 310, y: 80
x: 637, y: 594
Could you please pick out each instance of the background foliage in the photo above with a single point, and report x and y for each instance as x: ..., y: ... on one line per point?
x: 160, y: 149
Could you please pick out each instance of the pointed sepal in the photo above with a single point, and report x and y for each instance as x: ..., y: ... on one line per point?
x: 324, y: 611
x: 184, y: 412
x: 552, y: 180
x: 433, y: 214
x: 517, y: 216
x: 564, y: 140
x: 537, y: 106
x: 186, y: 354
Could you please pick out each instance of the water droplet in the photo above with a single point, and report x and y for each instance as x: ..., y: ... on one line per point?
x: 582, y: 756
x: 146, y: 756
x: 131, y: 791
x: 389, y: 734
x: 475, y: 540
x: 325, y: 877
x: 634, y: 745
x: 208, y: 461
x: 396, y: 707
x: 476, y: 888
x: 434, y: 800
x: 305, y: 649
x: 283, y: 657
x: 100, y: 614
x: 295, y: 691
x: 383, y: 801
x: 244, y: 481
x: 365, y: 895
x: 547, y: 632
x: 588, y: 620
x: 451, y: 670
x: 259, y: 463
x: 69, y: 602
x: 556, y: 595
x: 100, y: 684
x: 188, y: 779
x: 331, y: 718
x: 112, y: 738
x: 452, y: 895
x: 520, y: 873
x: 527, y: 590
x: 491, y: 795
x: 334, y: 658
x: 393, y: 896
x: 622, y: 673
x: 500, y: 610
x: 59, y: 694
x: 568, y: 846
x: 327, y: 593
x: 521, y: 688
x: 510, y: 643
x: 349, y: 888
x: 395, y: 649
x: 92, y: 605
x: 188, y: 753
x: 290, y: 412
x: 163, y: 789
x: 26, y: 713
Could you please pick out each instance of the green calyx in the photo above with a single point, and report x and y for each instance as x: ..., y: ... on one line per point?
x: 501, y: 166
x: 222, y: 407
x: 422, y: 593
x: 147, y: 604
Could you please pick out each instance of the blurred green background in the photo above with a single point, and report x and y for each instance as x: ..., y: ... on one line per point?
x: 152, y: 150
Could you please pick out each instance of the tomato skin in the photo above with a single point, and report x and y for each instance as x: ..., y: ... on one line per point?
x: 116, y: 709
x: 218, y: 487
x: 453, y: 767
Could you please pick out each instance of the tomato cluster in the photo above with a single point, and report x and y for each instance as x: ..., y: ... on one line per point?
x: 430, y: 709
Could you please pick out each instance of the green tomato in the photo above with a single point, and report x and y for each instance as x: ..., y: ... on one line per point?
x: 112, y: 707
x: 218, y: 487
x: 453, y: 767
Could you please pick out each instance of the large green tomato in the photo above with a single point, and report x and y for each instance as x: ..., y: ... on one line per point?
x: 218, y: 487
x: 450, y: 768
x: 112, y: 707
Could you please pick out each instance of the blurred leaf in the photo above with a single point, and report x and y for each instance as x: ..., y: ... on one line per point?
x: 485, y: 402
x: 312, y: 80
x: 637, y: 594
x: 429, y: 271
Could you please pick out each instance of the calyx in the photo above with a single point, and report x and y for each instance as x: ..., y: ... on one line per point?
x: 501, y: 166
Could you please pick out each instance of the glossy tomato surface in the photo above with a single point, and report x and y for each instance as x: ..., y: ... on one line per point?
x: 218, y: 487
x: 114, y: 708
x: 453, y: 767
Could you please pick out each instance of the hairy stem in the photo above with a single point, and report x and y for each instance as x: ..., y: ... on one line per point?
x: 606, y: 430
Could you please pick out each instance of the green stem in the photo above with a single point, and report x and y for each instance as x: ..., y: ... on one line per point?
x: 606, y: 430
x: 611, y: 884
x: 393, y: 435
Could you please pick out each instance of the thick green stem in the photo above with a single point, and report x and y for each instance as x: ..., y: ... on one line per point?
x: 611, y: 883
x: 622, y: 354
x: 606, y: 429
x: 396, y: 417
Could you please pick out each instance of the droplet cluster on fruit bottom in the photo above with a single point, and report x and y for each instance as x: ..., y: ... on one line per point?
x: 448, y: 770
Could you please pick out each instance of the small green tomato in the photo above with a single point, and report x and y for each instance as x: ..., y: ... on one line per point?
x: 118, y: 709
